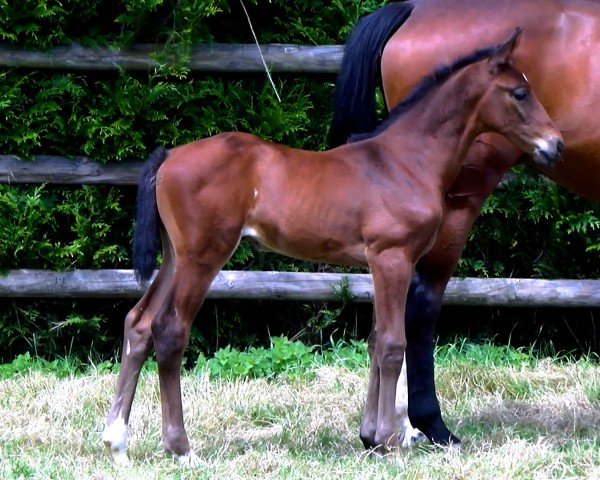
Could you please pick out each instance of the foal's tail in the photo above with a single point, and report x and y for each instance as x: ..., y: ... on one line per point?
x: 354, y: 104
x: 146, y: 239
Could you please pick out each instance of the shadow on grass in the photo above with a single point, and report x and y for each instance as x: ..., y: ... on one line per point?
x: 559, y: 424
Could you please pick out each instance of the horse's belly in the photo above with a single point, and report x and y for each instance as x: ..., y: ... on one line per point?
x: 306, y: 245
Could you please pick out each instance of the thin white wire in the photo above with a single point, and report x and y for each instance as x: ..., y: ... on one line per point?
x: 260, y: 52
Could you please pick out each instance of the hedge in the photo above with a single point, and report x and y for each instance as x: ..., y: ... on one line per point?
x: 528, y: 229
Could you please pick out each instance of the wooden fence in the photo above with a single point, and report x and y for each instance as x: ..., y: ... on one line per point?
x: 228, y: 284
x: 204, y: 58
x: 505, y: 292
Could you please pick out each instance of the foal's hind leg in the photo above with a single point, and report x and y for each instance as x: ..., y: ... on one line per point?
x: 407, y: 434
x: 193, y: 274
x: 137, y: 343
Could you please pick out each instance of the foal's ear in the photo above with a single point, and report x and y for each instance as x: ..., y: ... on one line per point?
x: 504, y: 51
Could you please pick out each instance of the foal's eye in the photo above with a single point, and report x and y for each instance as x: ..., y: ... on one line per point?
x: 520, y: 94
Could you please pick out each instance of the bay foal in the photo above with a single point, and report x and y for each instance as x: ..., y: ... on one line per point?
x: 376, y: 202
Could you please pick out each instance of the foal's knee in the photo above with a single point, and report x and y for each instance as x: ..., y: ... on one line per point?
x: 391, y: 355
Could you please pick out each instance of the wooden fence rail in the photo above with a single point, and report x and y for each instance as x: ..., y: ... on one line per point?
x: 82, y: 170
x: 61, y: 170
x: 228, y: 284
x: 504, y: 292
x: 204, y: 58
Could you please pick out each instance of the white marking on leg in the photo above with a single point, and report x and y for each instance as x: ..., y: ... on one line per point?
x: 115, y: 440
x: 412, y: 435
x: 189, y: 460
x: 409, y: 435
x: 128, y: 348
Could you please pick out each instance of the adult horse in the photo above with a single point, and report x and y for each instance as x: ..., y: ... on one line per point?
x: 375, y: 202
x: 401, y: 42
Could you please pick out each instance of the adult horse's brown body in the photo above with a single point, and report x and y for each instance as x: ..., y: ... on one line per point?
x: 559, y: 55
x: 376, y: 202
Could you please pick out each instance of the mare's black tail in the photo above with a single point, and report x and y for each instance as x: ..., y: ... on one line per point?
x: 354, y: 104
x: 146, y: 239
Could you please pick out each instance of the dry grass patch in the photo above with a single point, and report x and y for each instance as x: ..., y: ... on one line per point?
x: 307, y: 427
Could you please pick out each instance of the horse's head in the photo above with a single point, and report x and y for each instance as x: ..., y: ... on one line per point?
x: 510, y: 107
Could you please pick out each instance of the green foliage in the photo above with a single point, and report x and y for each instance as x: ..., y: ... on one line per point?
x: 60, y: 229
x: 322, y: 318
x: 53, y: 329
x: 124, y: 117
x: 42, y: 24
x: 484, y: 354
x: 525, y: 230
x: 533, y: 228
x: 292, y: 359
x: 25, y: 363
x: 352, y: 355
x: 284, y: 357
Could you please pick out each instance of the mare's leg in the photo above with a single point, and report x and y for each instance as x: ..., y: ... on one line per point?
x: 487, y: 161
x: 424, y: 412
x: 391, y: 277
x: 137, y: 343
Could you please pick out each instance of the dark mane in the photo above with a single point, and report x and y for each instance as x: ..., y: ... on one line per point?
x: 439, y: 76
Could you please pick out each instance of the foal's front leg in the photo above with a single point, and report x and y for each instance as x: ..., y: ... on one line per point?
x: 368, y: 426
x: 392, y: 270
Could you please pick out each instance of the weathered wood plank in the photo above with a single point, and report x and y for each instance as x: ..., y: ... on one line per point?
x: 505, y: 292
x: 80, y: 170
x: 206, y: 58
x: 61, y: 170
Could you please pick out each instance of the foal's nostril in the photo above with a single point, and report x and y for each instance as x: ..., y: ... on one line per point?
x: 559, y: 147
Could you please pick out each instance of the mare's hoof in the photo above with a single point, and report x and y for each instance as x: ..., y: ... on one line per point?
x: 412, y: 437
x: 453, y: 445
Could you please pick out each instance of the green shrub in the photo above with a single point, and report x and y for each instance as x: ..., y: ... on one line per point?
x: 533, y: 228
x: 283, y: 357
x: 525, y: 230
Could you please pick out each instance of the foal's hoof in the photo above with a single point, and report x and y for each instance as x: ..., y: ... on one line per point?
x: 118, y: 457
x: 114, y: 438
x: 189, y: 460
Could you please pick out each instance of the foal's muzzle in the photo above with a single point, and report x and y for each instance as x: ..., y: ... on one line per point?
x: 548, y: 152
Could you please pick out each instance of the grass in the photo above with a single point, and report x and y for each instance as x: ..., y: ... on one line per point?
x: 521, y: 417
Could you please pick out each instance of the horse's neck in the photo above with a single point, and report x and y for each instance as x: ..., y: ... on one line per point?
x: 445, y: 122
